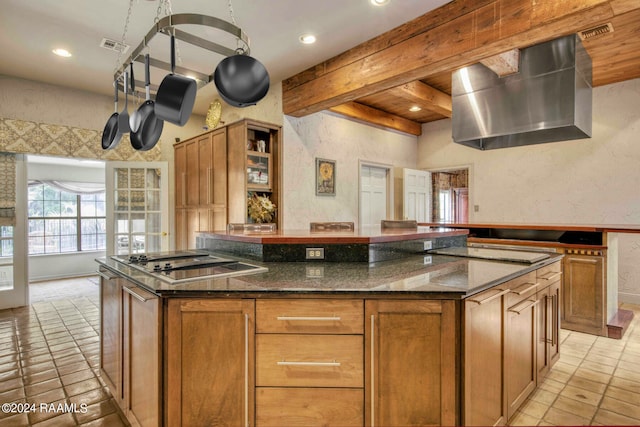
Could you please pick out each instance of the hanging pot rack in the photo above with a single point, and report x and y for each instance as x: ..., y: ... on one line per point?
x: 167, y: 26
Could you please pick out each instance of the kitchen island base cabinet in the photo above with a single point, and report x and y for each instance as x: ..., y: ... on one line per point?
x: 410, y: 363
x: 210, y: 362
x: 306, y: 407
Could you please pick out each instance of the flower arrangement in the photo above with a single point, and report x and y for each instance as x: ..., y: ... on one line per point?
x: 261, y: 209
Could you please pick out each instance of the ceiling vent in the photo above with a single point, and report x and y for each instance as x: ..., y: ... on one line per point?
x: 114, y: 45
x: 600, y: 30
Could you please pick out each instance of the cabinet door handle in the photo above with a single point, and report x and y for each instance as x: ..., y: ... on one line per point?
x: 554, y: 323
x: 183, y: 179
x: 286, y: 363
x: 246, y: 370
x: 373, y: 370
x: 500, y: 292
x: 209, y: 187
x: 311, y: 318
x: 133, y: 293
x: 551, y: 275
x: 519, y: 311
x: 105, y: 275
x: 520, y: 291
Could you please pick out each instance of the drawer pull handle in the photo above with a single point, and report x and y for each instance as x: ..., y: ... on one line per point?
x: 551, y: 275
x: 519, y: 311
x: 105, y: 275
x: 311, y: 318
x: 492, y: 297
x: 285, y: 363
x: 529, y: 286
x: 135, y: 293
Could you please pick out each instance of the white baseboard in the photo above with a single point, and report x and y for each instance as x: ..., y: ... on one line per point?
x: 628, y: 298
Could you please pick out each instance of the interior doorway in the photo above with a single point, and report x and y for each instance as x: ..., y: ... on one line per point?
x: 376, y: 197
x: 450, y: 195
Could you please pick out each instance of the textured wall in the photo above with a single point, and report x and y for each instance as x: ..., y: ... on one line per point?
x: 327, y: 136
x: 589, y: 181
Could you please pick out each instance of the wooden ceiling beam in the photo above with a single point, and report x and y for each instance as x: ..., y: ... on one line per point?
x: 474, y: 30
x: 424, y: 96
x: 377, y: 117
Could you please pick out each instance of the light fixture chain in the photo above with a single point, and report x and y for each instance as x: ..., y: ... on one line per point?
x: 168, y: 11
x: 239, y: 41
x: 124, y: 36
x: 233, y: 18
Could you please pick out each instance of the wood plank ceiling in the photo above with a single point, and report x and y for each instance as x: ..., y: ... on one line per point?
x: 378, y: 81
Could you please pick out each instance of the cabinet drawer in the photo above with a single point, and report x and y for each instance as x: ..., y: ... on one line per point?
x: 310, y: 316
x: 309, y: 360
x: 549, y: 274
x: 309, y: 407
x: 522, y: 288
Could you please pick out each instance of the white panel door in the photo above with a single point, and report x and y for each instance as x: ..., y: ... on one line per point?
x: 416, y: 195
x: 137, y: 207
x: 373, y: 195
x: 14, y: 289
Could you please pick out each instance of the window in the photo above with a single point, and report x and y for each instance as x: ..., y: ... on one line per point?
x: 62, y: 221
x: 444, y: 202
x: 6, y: 242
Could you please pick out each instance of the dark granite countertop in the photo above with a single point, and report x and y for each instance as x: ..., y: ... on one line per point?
x: 424, y: 276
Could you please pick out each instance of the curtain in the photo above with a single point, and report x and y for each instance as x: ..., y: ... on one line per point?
x: 7, y: 189
x: 72, y: 186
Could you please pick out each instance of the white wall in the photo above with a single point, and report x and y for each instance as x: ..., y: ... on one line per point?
x: 328, y: 136
x: 589, y: 181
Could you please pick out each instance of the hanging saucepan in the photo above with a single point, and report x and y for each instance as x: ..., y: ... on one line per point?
x: 118, y: 123
x: 149, y: 127
x: 176, y: 94
x: 241, y: 80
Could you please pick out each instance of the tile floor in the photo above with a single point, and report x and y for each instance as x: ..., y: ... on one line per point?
x: 49, y: 353
x: 596, y: 381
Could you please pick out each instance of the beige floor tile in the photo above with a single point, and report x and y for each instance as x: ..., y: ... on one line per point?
x: 82, y: 387
x: 598, y: 367
x: 522, y: 419
x: 16, y: 420
x: 534, y: 408
x: 111, y: 420
x: 97, y: 410
x: 620, y: 407
x: 551, y: 385
x: 627, y: 374
x: 624, y: 395
x: 628, y: 357
x: 544, y: 423
x: 60, y: 420
x: 586, y: 384
x: 603, y: 360
x: 571, y: 360
x: 593, y: 375
x: 609, y: 418
x: 544, y: 396
x: 581, y: 409
x: 564, y: 367
x: 581, y: 395
x: 629, y: 365
x: 559, y: 417
x: 558, y: 375
x: 625, y: 384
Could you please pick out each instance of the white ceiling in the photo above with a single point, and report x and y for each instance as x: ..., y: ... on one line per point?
x: 30, y: 29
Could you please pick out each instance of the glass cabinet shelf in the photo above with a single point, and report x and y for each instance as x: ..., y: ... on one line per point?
x: 258, y: 171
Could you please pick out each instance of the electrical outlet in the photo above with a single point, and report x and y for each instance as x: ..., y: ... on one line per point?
x: 476, y: 208
x: 315, y: 253
x: 428, y: 244
x: 315, y: 272
x: 428, y: 260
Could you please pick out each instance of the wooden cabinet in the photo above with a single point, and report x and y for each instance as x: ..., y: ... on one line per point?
x: 410, y: 363
x: 130, y: 349
x: 520, y: 370
x: 548, y: 318
x: 584, y: 304
x: 210, y: 362
x: 254, y: 152
x: 309, y: 362
x: 200, y: 186
x: 142, y: 356
x: 111, y: 333
x: 485, y: 401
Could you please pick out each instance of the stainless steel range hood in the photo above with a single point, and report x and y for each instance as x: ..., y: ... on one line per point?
x: 548, y: 100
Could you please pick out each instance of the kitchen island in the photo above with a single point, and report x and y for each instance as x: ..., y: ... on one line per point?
x: 428, y: 339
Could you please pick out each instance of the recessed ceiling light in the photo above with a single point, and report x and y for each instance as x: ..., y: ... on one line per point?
x: 62, y: 52
x: 379, y: 2
x: 415, y: 108
x: 307, y: 39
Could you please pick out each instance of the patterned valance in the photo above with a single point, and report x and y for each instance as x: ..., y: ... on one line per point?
x: 7, y: 189
x: 25, y: 137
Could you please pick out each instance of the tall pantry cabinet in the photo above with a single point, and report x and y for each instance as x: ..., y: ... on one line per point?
x: 217, y: 171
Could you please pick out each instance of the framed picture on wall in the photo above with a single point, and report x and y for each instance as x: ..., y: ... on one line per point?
x: 325, y: 177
